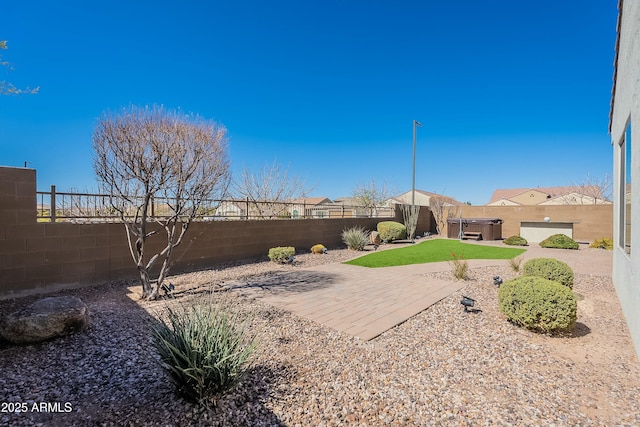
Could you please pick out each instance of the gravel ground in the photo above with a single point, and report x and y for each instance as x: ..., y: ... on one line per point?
x: 441, y: 367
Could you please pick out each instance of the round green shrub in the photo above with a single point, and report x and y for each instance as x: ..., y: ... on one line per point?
x: 282, y: 254
x: 550, y: 269
x: 391, y: 230
x: 559, y: 241
x: 538, y: 304
x: 604, y: 243
x: 515, y: 241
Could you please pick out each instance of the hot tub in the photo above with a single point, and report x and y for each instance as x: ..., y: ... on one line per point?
x: 475, y: 228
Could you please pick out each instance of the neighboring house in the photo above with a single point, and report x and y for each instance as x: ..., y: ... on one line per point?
x: 352, y: 207
x: 570, y: 195
x: 624, y: 122
x: 231, y: 209
x: 575, y: 198
x: 422, y: 198
x: 310, y: 207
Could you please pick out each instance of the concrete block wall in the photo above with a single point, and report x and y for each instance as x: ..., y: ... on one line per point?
x: 43, y: 257
x: 593, y: 221
x: 17, y: 196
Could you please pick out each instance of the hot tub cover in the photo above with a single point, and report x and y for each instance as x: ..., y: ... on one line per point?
x: 475, y: 220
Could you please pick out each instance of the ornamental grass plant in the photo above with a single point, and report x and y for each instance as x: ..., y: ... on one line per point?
x: 516, y: 263
x: 356, y: 238
x: 205, y: 347
x: 460, y: 267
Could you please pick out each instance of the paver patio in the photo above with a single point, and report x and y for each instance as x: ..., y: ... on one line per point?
x: 360, y: 301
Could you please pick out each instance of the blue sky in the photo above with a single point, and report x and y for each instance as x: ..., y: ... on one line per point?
x: 510, y: 93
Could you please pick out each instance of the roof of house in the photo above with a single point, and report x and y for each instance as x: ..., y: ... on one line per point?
x: 449, y: 199
x: 615, y: 65
x: 552, y: 192
x: 312, y: 200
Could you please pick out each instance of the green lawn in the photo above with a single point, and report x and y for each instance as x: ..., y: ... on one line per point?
x: 435, y: 250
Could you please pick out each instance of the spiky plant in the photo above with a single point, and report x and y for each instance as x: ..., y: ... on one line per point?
x: 356, y: 238
x: 205, y: 347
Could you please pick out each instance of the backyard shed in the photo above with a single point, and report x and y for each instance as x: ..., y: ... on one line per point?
x: 475, y: 228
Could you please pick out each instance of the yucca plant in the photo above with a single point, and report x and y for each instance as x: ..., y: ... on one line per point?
x: 205, y: 347
x: 356, y: 238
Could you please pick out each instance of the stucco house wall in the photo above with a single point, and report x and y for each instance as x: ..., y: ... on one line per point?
x: 625, y: 117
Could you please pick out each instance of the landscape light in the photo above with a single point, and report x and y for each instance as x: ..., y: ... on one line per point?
x: 467, y: 302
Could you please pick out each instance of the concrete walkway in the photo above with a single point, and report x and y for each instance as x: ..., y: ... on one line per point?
x: 365, y: 302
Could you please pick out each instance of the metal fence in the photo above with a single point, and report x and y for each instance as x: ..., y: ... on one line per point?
x: 54, y: 206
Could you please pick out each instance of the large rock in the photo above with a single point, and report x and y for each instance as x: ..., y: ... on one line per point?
x: 374, y: 238
x: 45, y: 319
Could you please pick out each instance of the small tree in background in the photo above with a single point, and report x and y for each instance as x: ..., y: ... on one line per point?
x: 591, y: 190
x: 6, y: 88
x: 442, y: 208
x: 270, y: 189
x: 147, y: 153
x: 371, y: 196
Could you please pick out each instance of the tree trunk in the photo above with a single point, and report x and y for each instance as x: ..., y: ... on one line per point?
x: 149, y: 290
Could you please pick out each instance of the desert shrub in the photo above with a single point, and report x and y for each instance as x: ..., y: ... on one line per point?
x: 604, y: 243
x: 318, y: 249
x: 516, y: 263
x: 550, y: 269
x: 205, y: 347
x: 391, y: 230
x: 515, y: 241
x: 460, y: 267
x: 282, y: 254
x: 538, y: 304
x: 356, y: 238
x: 559, y: 241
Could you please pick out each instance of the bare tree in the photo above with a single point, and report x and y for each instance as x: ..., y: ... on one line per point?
x: 442, y: 208
x: 590, y: 190
x: 270, y: 189
x: 6, y: 88
x: 371, y: 196
x: 147, y: 153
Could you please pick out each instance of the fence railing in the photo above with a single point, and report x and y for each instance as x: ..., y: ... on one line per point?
x: 54, y: 206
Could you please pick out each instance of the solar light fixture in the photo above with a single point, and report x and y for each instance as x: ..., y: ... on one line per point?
x: 497, y: 280
x: 168, y: 290
x: 467, y: 302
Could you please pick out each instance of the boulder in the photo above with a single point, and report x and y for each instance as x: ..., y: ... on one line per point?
x: 374, y: 238
x: 45, y: 319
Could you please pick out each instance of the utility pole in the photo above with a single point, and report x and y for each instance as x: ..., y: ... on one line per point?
x: 413, y: 176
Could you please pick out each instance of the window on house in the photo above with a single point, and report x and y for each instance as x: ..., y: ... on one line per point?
x: 625, y: 191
